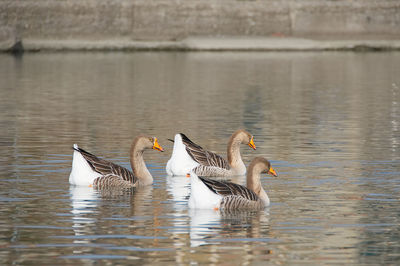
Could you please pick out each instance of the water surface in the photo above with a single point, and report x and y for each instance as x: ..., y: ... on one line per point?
x: 329, y: 123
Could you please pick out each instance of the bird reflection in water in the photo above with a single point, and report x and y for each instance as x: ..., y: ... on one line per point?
x: 210, y: 226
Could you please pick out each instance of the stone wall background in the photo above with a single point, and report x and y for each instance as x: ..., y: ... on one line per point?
x: 171, y: 20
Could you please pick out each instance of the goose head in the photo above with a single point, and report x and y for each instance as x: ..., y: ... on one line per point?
x: 257, y: 166
x: 243, y: 137
x: 260, y: 165
x: 143, y: 142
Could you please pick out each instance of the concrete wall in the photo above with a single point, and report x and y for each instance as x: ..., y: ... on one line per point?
x: 164, y: 20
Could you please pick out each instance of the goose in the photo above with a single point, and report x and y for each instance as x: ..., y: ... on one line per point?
x: 188, y: 156
x: 89, y: 170
x: 213, y: 194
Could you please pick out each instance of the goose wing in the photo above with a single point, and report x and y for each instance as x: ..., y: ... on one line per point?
x: 107, y: 168
x: 203, y: 156
x: 209, y: 171
x: 111, y: 180
x: 229, y: 189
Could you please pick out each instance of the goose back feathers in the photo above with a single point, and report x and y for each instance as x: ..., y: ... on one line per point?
x: 209, y: 193
x: 111, y: 174
x: 188, y: 156
x: 88, y: 169
x: 202, y: 156
x: 234, y: 196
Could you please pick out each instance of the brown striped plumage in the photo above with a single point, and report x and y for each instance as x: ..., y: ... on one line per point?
x: 113, y: 175
x: 108, y: 181
x: 236, y: 196
x: 212, y: 171
x: 202, y: 156
x: 212, y: 164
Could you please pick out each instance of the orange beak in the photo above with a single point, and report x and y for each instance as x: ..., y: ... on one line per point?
x: 157, y: 146
x: 272, y: 172
x: 251, y: 143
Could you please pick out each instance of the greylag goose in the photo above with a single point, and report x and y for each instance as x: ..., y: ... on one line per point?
x: 89, y: 170
x: 212, y: 194
x: 188, y: 156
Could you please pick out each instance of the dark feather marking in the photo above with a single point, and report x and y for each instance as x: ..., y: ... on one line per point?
x: 185, y: 139
x: 107, y: 168
x: 203, y: 156
x: 229, y: 189
x: 111, y: 181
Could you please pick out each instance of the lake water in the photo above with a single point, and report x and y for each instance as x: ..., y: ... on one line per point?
x: 328, y: 121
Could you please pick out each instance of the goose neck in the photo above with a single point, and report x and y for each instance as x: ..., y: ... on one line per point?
x: 254, y: 183
x: 234, y: 157
x: 139, y: 166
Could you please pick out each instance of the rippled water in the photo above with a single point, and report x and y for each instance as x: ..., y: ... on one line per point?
x: 329, y: 123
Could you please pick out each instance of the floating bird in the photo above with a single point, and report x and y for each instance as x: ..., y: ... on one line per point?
x: 89, y: 170
x: 212, y: 194
x: 188, y: 156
